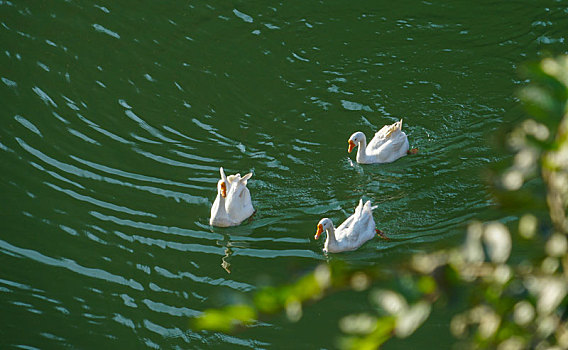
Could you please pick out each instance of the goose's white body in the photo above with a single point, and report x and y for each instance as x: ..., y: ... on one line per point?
x: 389, y: 144
x: 352, y: 233
x: 235, y: 206
x: 219, y: 216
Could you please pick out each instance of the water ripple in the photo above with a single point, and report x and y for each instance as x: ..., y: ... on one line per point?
x: 206, y: 280
x: 171, y: 310
x: 158, y: 228
x: 71, y: 265
x: 44, y: 96
x: 100, y: 203
x: 139, y: 177
x: 29, y: 125
x: 101, y: 29
x: 168, y: 161
x: 71, y: 169
x: 153, y: 131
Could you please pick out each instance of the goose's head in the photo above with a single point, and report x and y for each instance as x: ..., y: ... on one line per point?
x: 222, y: 188
x: 223, y: 183
x: 354, y: 140
x: 323, y: 225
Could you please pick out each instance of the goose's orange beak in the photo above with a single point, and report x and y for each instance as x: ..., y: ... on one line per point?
x: 223, y: 189
x: 319, y: 231
x: 351, y: 146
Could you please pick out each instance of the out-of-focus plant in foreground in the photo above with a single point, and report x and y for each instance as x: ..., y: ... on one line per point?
x: 513, y: 303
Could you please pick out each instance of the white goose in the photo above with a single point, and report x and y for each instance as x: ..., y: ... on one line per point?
x: 352, y: 233
x: 233, y: 203
x: 388, y: 144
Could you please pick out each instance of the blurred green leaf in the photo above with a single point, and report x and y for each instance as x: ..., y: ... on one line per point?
x: 225, y: 319
x: 382, y: 332
x: 273, y: 299
x: 546, y: 97
x: 427, y: 285
x: 268, y: 299
x: 540, y: 104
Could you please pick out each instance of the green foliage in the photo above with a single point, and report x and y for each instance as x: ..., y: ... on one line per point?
x: 374, y: 331
x: 270, y: 299
x: 290, y: 298
x: 226, y: 319
x: 511, y: 304
x: 545, y: 99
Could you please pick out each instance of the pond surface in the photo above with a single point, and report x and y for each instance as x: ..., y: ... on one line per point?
x: 116, y: 117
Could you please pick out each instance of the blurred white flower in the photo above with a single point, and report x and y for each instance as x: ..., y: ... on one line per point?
x: 528, y: 225
x: 391, y: 302
x: 358, y: 324
x: 556, y: 245
x: 512, y: 179
x: 498, y: 241
x: 408, y: 321
x: 473, y: 250
x: 552, y: 292
x: 523, y: 313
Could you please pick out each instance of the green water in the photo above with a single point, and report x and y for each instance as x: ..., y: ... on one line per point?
x: 117, y: 115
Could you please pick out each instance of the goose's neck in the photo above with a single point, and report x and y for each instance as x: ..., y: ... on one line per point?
x: 221, y: 201
x: 330, y: 236
x: 362, y: 150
